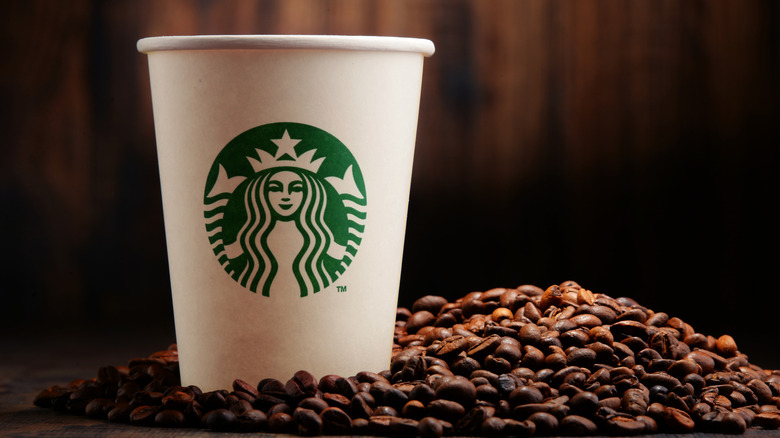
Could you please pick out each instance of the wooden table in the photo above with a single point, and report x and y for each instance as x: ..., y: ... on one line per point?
x: 32, y: 362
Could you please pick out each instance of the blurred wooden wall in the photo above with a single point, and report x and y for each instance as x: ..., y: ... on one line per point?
x: 628, y: 145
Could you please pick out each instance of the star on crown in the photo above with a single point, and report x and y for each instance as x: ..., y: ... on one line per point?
x: 286, y: 156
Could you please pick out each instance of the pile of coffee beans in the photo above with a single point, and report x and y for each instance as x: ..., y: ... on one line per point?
x: 504, y: 362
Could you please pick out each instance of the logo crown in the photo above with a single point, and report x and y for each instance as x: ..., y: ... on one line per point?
x: 286, y: 156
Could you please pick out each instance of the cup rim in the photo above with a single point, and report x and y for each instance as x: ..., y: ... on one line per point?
x: 310, y: 42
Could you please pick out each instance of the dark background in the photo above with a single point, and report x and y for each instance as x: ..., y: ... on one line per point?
x: 628, y: 145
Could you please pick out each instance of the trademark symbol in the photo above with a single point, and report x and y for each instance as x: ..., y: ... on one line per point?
x: 341, y: 288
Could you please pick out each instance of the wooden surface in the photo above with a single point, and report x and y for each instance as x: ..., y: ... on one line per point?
x: 31, y: 363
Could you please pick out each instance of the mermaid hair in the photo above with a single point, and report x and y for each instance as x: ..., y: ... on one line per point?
x: 309, y: 265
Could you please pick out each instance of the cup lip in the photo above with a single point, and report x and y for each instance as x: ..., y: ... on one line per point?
x: 265, y: 42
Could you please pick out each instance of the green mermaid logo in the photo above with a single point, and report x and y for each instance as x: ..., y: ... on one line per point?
x: 286, y: 203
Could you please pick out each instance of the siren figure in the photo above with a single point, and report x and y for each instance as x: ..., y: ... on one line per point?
x: 285, y: 195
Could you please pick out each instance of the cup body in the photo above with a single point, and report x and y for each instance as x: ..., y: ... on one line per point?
x: 285, y: 164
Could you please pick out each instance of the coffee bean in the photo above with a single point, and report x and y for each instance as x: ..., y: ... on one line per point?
x: 281, y: 422
x: 634, y: 402
x: 430, y: 303
x: 308, y: 421
x: 446, y: 410
x: 761, y: 390
x: 302, y: 385
x: 551, y: 297
x: 120, y: 413
x: 726, y: 346
x: 678, y: 421
x: 143, y: 415
x: 525, y: 395
x: 546, y: 424
x: 577, y: 425
x: 472, y: 421
x: 458, y: 389
x: 492, y: 426
x: 624, y: 425
x: 252, y: 420
x: 629, y: 328
x: 584, y: 403
x: 219, y: 419
x: 335, y: 421
x: 510, y: 352
x: 177, y: 399
x: 318, y: 405
x: 99, y: 407
x: 418, y: 320
x: 767, y: 420
x: 430, y: 427
x: 581, y: 357
x: 280, y: 408
x: 169, y: 418
x: 243, y: 386
x: 413, y: 409
x: 362, y: 405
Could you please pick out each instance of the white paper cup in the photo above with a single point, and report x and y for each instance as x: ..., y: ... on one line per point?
x: 285, y: 164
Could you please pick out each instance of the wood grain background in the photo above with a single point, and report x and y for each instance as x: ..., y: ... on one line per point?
x: 628, y: 145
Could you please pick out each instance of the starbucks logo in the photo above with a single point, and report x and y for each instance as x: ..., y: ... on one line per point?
x: 285, y: 202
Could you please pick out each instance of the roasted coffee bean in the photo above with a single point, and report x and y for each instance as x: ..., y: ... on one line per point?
x: 252, y: 421
x: 634, y: 402
x: 761, y: 390
x: 525, y: 395
x: 492, y: 426
x: 726, y: 346
x: 99, y: 407
x: 584, y: 403
x: 551, y: 297
x: 403, y: 426
x: 219, y: 419
x: 302, y: 385
x: 241, y: 385
x: 471, y: 422
x: 384, y: 411
x: 446, y: 410
x: 624, y: 425
x: 458, y: 389
x: 546, y: 424
x: 143, y: 415
x: 335, y: 421
x: 361, y: 406
x: 430, y: 427
x: 678, y: 420
x: 581, y: 357
x: 327, y: 400
x: 308, y: 421
x: 280, y: 408
x: 577, y: 425
x: 767, y: 420
x: 380, y: 425
x: 177, y: 399
x: 281, y: 423
x: 120, y: 413
x: 213, y: 400
x: 430, y: 303
x: 169, y: 418
x: 327, y: 384
x: 418, y: 320
x: 413, y: 409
